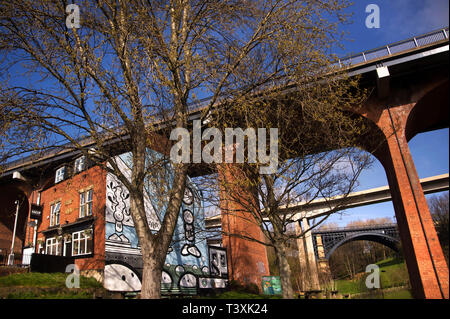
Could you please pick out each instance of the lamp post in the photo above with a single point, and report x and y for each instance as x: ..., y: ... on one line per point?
x: 11, y: 255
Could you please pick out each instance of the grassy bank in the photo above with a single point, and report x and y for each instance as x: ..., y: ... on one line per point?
x: 47, y: 286
x: 394, y: 282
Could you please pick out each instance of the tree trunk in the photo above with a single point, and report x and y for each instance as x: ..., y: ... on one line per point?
x: 152, y: 256
x: 285, y: 271
x: 151, y: 277
x: 154, y: 247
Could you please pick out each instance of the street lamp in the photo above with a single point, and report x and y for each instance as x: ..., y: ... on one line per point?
x: 11, y: 255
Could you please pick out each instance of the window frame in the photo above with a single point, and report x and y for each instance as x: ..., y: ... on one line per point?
x: 50, y: 244
x: 64, y: 245
x: 86, y: 208
x: 53, y: 215
x: 79, y: 238
x: 59, y: 177
x: 78, y: 160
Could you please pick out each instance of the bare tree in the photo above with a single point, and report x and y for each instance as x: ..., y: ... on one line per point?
x: 134, y: 69
x: 317, y: 160
x: 439, y: 206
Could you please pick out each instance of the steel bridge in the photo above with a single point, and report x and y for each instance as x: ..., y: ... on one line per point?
x: 328, y: 240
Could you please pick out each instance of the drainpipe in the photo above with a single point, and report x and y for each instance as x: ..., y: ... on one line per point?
x: 11, y: 254
x: 38, y: 202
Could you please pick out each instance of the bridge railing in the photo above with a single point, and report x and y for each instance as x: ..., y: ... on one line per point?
x: 362, y: 57
x: 366, y: 56
x: 396, y: 47
x: 353, y: 228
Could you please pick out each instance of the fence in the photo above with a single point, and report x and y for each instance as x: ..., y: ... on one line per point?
x: 20, y: 260
x: 50, y: 263
x: 397, y: 47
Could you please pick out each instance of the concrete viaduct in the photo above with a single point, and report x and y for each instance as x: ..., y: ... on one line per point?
x: 411, y: 81
x: 312, y: 248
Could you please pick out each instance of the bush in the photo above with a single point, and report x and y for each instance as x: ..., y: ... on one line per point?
x: 248, y: 288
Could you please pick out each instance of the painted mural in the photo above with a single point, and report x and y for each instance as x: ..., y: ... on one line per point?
x: 188, y: 266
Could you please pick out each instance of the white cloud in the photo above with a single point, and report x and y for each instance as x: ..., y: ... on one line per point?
x: 416, y: 17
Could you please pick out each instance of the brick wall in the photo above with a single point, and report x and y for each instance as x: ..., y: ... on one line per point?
x: 67, y: 193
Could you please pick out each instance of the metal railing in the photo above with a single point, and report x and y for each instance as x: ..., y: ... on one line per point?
x: 396, y: 47
x: 362, y: 57
x: 20, y: 260
x: 354, y: 228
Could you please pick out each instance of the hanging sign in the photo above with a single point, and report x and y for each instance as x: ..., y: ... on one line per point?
x: 36, y: 211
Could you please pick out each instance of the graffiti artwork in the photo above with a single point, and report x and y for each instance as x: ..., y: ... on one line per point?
x: 271, y: 285
x: 218, y: 262
x: 187, y: 266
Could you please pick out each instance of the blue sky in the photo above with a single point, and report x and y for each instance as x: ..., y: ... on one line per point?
x: 399, y: 20
x: 430, y: 152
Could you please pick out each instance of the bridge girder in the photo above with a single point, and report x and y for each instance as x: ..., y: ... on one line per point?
x: 387, y: 236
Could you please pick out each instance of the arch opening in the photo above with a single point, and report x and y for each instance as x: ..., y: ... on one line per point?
x: 8, y: 197
x: 350, y: 257
x: 386, y: 240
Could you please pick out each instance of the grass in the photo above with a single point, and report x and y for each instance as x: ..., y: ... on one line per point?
x: 34, y: 285
x: 44, y: 280
x: 398, y: 294
x: 40, y: 293
x: 393, y: 273
x: 349, y: 286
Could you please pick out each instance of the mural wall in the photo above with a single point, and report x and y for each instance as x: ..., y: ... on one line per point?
x: 188, y: 266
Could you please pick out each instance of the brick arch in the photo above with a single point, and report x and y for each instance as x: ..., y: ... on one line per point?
x: 426, y: 264
x: 8, y: 195
x: 409, y: 110
x: 430, y: 112
x: 373, y: 139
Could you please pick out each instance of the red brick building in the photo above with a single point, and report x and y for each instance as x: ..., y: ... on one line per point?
x: 68, y: 219
x: 73, y: 217
x: 73, y: 209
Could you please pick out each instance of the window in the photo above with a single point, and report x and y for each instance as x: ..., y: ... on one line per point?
x: 82, y: 242
x: 86, y: 203
x: 40, y: 249
x: 80, y: 164
x: 67, y: 241
x: 54, y: 214
x: 222, y: 260
x: 52, y: 246
x: 60, y: 174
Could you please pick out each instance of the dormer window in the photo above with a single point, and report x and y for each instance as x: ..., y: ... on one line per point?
x: 80, y: 164
x: 60, y: 174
